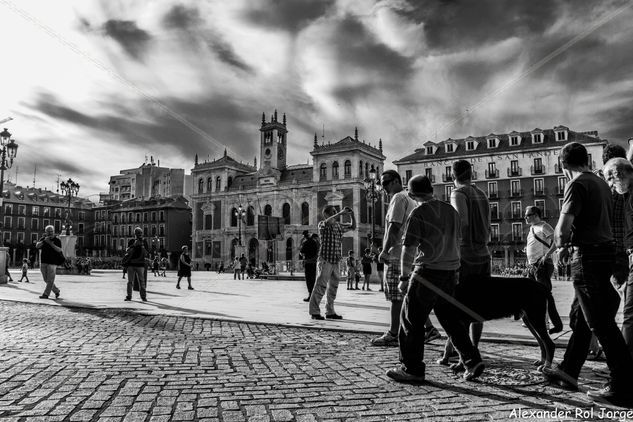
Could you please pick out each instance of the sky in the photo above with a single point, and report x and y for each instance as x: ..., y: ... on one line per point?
x: 94, y: 87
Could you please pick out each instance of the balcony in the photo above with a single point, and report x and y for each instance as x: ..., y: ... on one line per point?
x: 539, y: 192
x: 493, y: 195
x: 537, y: 170
x: 446, y: 178
x: 495, y: 217
x: 560, y: 191
x: 558, y: 168
x: 495, y: 239
x: 474, y: 175
x: 592, y: 165
x: 431, y: 177
x: 514, y: 172
x: 516, y: 215
x: 518, y: 193
x: 494, y: 174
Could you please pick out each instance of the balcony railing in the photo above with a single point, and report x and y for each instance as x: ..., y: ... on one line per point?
x: 516, y: 215
x: 558, y: 168
x: 513, y: 172
x: 560, y: 191
x: 431, y: 177
x: 494, y: 174
x: 474, y: 175
x: 493, y: 195
x: 447, y: 178
x: 539, y: 192
x: 515, y: 193
x: 537, y: 170
x: 495, y: 216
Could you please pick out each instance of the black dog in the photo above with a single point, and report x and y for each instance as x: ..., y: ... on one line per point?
x: 499, y: 297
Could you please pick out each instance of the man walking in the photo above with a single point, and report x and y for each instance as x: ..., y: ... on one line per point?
x: 330, y: 233
x: 584, y: 231
x: 309, y: 250
x: 51, y: 248
x: 137, y: 250
x: 432, y: 238
x: 539, y: 249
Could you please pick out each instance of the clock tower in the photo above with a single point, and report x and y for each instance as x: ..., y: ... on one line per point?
x: 273, y: 143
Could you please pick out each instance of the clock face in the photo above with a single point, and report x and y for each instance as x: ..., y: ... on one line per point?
x: 267, y: 152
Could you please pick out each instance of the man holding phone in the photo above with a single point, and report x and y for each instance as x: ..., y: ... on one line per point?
x: 137, y: 249
x: 328, y: 273
x: 51, y: 248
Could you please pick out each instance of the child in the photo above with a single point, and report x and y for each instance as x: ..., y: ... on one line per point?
x: 350, y: 262
x: 366, y: 261
x: 25, y: 269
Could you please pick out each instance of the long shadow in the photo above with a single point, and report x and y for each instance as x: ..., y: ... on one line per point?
x: 360, y: 305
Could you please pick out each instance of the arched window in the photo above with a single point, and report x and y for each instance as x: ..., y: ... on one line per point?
x: 250, y: 216
x: 335, y: 170
x: 348, y: 169
x: 116, y: 219
x: 229, y: 182
x: 366, y: 170
x: 323, y: 171
x: 234, y: 244
x: 268, y: 210
x: 289, y: 249
x: 305, y: 214
x: 285, y: 212
x: 233, y: 217
x: 122, y: 218
x: 201, y: 185
x: 360, y: 169
x: 218, y: 184
x: 209, y: 184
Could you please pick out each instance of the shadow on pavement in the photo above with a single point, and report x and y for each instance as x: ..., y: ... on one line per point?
x: 360, y: 305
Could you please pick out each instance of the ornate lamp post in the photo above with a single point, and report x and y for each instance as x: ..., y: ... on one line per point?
x: 372, y: 195
x: 7, y: 154
x: 239, y: 214
x: 69, y: 189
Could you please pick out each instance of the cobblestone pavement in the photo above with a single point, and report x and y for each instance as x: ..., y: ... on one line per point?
x: 73, y: 364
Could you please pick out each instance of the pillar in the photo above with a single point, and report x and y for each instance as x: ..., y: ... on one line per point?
x: 4, y: 254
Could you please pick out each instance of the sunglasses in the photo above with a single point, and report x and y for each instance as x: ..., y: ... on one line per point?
x: 528, y: 215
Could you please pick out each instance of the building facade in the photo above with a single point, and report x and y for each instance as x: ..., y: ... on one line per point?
x: 515, y: 170
x: 293, y: 193
x: 27, y: 211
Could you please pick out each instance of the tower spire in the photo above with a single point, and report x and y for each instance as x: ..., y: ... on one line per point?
x: 284, y: 119
x: 275, y: 115
x: 356, y: 133
x: 380, y: 144
x: 225, y: 152
x: 195, y: 161
x: 263, y: 119
x: 316, y: 144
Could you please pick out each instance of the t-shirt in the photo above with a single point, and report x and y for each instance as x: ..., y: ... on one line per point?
x: 138, y: 253
x: 534, y: 248
x: 434, y: 228
x: 588, y: 198
x: 475, y: 237
x: 400, y: 207
x: 49, y: 255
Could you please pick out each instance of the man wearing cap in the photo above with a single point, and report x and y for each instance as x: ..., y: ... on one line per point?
x: 431, y: 247
x: 309, y: 251
x: 539, y: 249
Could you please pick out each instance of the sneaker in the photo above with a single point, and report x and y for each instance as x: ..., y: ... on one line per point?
x: 190, y: 288
x: 57, y: 294
x: 610, y: 396
x: 178, y: 286
x: 43, y: 297
x: 556, y: 329
x: 386, y: 339
x: 432, y: 334
x: 457, y: 366
x: 306, y: 299
x: 144, y: 299
x: 400, y: 375
x: 474, y: 371
x: 127, y: 298
x: 318, y: 316
x: 333, y: 316
x: 558, y: 377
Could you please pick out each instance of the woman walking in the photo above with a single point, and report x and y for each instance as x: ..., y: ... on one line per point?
x: 184, y: 267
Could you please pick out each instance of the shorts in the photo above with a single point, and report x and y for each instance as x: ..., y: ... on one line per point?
x: 392, y: 279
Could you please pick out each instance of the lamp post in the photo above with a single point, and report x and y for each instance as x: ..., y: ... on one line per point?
x: 7, y: 154
x: 239, y: 214
x: 69, y: 189
x: 372, y: 195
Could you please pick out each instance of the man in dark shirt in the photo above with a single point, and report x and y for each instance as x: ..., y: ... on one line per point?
x: 137, y: 249
x: 431, y: 236
x: 584, y: 231
x: 51, y: 248
x: 309, y: 250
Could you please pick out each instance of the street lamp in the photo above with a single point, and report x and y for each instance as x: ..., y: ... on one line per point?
x: 8, y: 153
x: 239, y: 214
x: 372, y: 195
x: 69, y: 189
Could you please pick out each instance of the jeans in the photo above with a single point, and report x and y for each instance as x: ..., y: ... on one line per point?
x: 48, y: 274
x: 420, y: 299
x: 328, y: 277
x: 310, y: 274
x: 139, y: 272
x: 627, y: 322
x: 593, y: 310
x: 237, y: 274
x: 543, y: 274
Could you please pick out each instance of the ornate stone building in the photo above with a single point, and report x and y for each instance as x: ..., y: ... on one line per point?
x: 294, y: 193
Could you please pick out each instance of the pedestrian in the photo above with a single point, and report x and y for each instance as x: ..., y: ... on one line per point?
x: 584, y: 234
x: 309, y: 251
x: 431, y: 248
x: 380, y: 269
x: 350, y: 264
x: 243, y: 262
x: 155, y: 266
x: 328, y: 273
x: 136, y: 253
x: 184, y: 267
x: 51, y: 256
x: 473, y: 208
x: 619, y: 175
x: 25, y: 270
x: 6, y: 268
x: 237, y: 275
x: 539, y: 249
x: 163, y: 266
x: 365, y: 262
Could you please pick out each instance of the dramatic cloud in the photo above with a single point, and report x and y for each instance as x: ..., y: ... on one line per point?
x: 133, y: 39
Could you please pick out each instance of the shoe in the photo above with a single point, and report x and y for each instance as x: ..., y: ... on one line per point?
x: 318, y: 316
x: 610, y: 396
x: 556, y: 329
x: 595, y: 355
x: 457, y: 367
x: 178, y: 286
x: 127, y: 298
x: 558, y: 377
x: 432, y: 334
x: 443, y: 361
x: 369, y: 289
x: 474, y: 371
x: 333, y: 316
x: 362, y: 288
x: 144, y: 299
x: 306, y: 299
x: 43, y: 297
x: 190, y: 288
x: 400, y: 375
x: 57, y: 294
x: 386, y: 339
